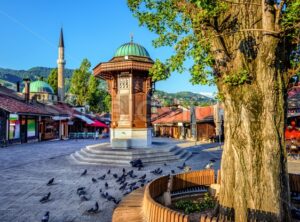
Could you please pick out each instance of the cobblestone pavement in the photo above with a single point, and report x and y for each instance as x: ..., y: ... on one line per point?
x: 25, y: 169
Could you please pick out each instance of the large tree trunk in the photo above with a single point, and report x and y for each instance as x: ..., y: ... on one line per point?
x: 254, y: 181
x: 253, y: 169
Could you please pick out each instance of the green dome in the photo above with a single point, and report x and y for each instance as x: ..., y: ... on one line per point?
x: 132, y: 49
x: 40, y: 87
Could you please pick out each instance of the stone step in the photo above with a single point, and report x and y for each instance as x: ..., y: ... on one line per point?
x: 105, y: 150
x: 129, y: 156
x: 85, y: 160
x: 102, y: 154
x: 117, y: 161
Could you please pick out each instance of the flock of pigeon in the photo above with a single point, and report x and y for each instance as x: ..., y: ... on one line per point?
x: 127, y: 181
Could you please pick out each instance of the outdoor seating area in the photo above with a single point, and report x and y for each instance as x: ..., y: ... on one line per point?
x: 143, y: 205
x: 149, y: 209
x: 82, y: 135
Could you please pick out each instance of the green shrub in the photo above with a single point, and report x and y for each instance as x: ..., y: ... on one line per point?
x: 192, y: 206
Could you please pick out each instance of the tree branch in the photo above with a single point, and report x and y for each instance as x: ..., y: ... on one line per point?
x: 240, y: 3
x: 278, y: 14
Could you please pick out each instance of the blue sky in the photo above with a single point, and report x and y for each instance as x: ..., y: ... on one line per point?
x: 93, y: 29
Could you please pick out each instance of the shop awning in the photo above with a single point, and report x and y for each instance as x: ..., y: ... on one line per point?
x: 60, y: 117
x: 98, y: 124
x: 84, y: 118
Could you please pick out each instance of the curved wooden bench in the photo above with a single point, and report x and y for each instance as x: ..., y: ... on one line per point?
x: 130, y: 208
x: 154, y: 211
x: 140, y: 205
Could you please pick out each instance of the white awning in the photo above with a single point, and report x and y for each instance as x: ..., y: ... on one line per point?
x: 84, y: 118
x: 60, y: 117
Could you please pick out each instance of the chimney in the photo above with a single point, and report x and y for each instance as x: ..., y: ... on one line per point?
x: 18, y: 86
x: 27, y: 89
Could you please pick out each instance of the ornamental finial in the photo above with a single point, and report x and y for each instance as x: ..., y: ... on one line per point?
x: 131, y: 37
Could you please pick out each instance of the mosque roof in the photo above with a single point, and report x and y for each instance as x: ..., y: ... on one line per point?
x: 40, y: 87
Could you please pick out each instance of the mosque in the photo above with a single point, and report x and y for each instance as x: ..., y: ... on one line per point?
x: 40, y: 90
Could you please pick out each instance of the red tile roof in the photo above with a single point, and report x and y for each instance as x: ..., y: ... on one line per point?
x: 16, y: 106
x: 52, y: 109
x: 179, y: 115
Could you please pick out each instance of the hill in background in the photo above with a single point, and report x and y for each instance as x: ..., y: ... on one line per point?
x: 9, y: 78
x: 34, y: 73
x: 185, y: 99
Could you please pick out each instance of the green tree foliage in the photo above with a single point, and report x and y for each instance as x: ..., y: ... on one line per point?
x: 80, y: 81
x: 192, y: 26
x: 107, y: 103
x: 52, y: 79
x: 97, y: 97
x: 88, y: 90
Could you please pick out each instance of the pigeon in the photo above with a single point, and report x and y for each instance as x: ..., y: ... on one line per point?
x: 124, y: 170
x: 100, y: 190
x: 83, y: 198
x: 106, y: 185
x: 157, y: 171
x: 143, y: 177
x: 132, y: 184
x: 127, y: 192
x: 81, y: 192
x: 209, y: 165
x: 173, y: 171
x: 103, y: 195
x: 116, y: 201
x: 94, y: 180
x: 84, y: 172
x: 80, y: 188
x: 45, y: 198
x: 94, y: 210
x: 142, y: 181
x: 120, y: 178
x: 134, y: 187
x: 111, y: 198
x: 115, y: 175
x: 133, y: 176
x: 108, y: 172
x: 50, y: 182
x: 102, y: 177
x: 137, y: 163
x: 180, y: 167
x: 45, y: 218
x: 123, y: 186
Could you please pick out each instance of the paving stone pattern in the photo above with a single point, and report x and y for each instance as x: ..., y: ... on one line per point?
x: 25, y: 169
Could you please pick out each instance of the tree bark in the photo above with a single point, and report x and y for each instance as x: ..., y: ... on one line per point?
x: 254, y: 182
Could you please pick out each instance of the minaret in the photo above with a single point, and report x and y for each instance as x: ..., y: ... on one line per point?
x: 60, y: 68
